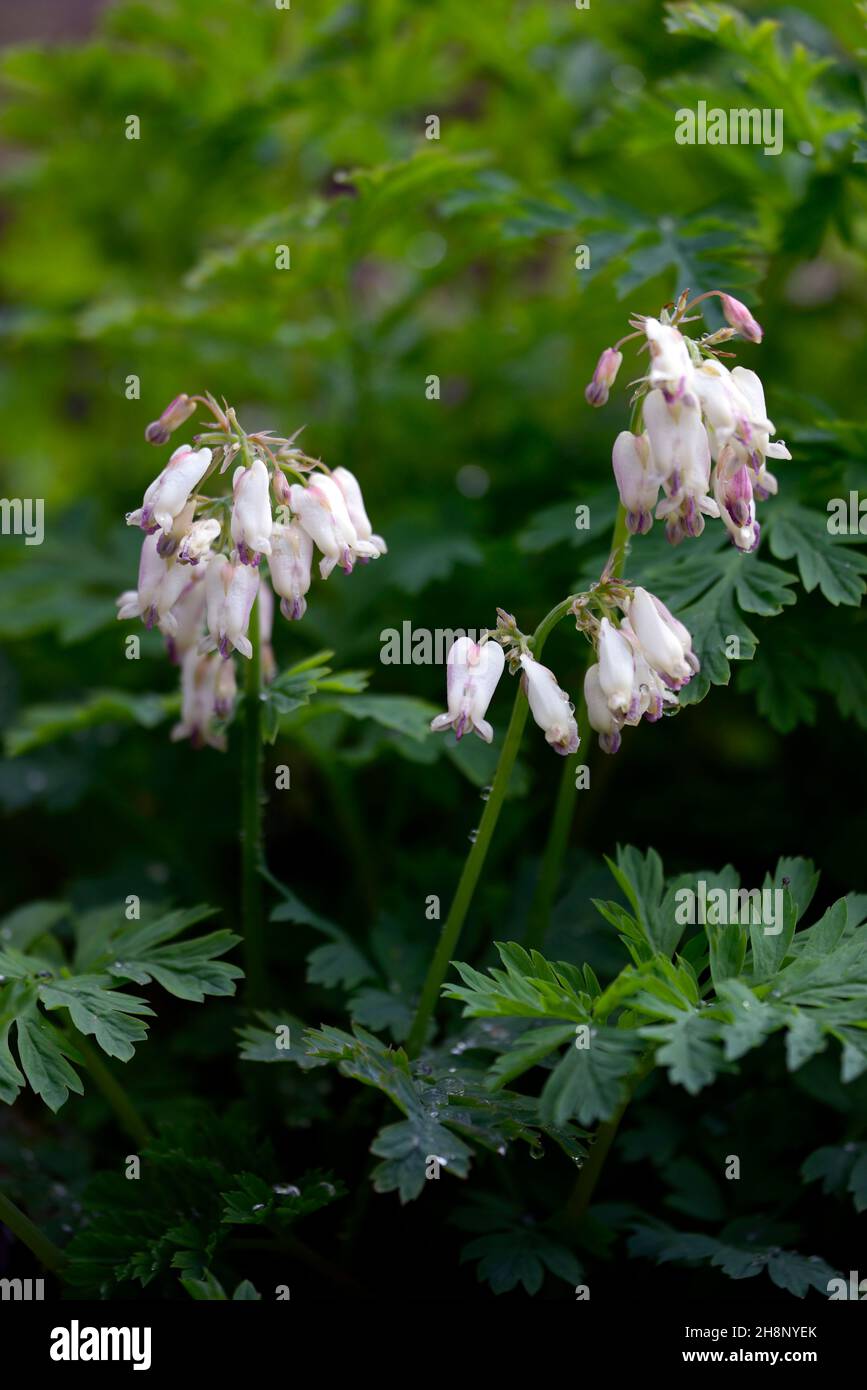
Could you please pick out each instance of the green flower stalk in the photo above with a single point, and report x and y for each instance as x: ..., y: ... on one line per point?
x: 687, y: 410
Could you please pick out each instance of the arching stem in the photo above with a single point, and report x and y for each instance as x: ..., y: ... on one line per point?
x: 475, y: 860
x: 47, y: 1253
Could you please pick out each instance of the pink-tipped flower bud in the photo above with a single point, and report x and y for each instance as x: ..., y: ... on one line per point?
x: 604, y: 377
x: 291, y: 558
x: 281, y: 487
x: 550, y: 706
x: 601, y: 719
x: 738, y: 316
x: 616, y: 668
x: 172, y: 418
x: 637, y: 479
x: 252, y: 522
x: 661, y: 645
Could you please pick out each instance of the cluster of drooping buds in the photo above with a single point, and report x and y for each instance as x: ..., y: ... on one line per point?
x: 692, y: 411
x: 473, y: 673
x: 642, y: 661
x: 202, y: 556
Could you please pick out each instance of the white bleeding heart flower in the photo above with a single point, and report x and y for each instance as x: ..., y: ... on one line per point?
x: 660, y: 645
x: 681, y: 632
x: 230, y: 591
x: 678, y: 439
x: 169, y: 493
x: 168, y: 542
x: 225, y: 688
x: 195, y: 545
x: 317, y: 519
x: 160, y: 585
x: 321, y: 509
x: 616, y: 668
x: 550, y: 706
x: 189, y: 618
x: 765, y: 484
x: 359, y: 547
x: 602, y: 720
x: 252, y: 521
x: 637, y: 479
x: 649, y: 692
x: 650, y: 695
x: 728, y: 411
x: 351, y: 489
x: 289, y: 565
x: 473, y: 670
x: 758, y: 446
x: 240, y: 597
x: 671, y: 367
x: 733, y: 489
x: 217, y: 578
x: 681, y: 453
x: 199, y: 675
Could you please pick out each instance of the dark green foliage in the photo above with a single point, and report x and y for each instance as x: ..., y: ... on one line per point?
x: 183, y: 1211
x: 103, y: 950
x: 735, y: 985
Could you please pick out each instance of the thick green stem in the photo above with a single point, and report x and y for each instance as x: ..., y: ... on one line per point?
x: 251, y: 823
x: 47, y: 1253
x: 475, y: 860
x: 128, y: 1117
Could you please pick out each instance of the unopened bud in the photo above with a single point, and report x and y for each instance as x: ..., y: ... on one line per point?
x: 280, y: 487
x: 172, y: 418
x: 596, y: 393
x: 741, y: 320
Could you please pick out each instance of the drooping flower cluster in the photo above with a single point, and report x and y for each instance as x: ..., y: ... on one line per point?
x: 644, y: 657
x: 202, y: 555
x: 473, y: 673
x: 703, y: 434
x: 641, y: 664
